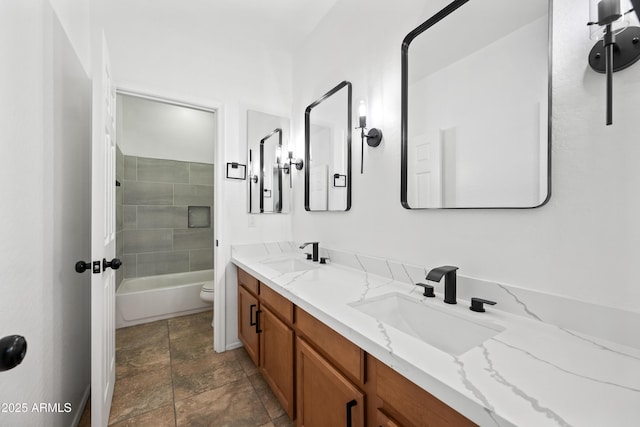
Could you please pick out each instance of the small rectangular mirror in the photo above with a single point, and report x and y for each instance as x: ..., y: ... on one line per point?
x: 327, y: 172
x: 267, y: 149
x: 476, y: 104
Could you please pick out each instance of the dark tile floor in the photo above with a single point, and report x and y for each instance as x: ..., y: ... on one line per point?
x: 168, y: 375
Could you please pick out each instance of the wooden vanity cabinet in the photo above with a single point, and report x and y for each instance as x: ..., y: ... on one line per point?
x: 323, y: 379
x: 265, y: 328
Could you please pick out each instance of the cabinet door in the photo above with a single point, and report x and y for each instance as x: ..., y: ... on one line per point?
x: 324, y: 396
x: 276, y: 357
x: 247, y: 319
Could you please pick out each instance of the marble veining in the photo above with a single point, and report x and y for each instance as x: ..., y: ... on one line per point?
x: 517, y: 391
x: 599, y: 345
x: 473, y: 389
x: 517, y: 300
x: 568, y: 371
x: 534, y: 372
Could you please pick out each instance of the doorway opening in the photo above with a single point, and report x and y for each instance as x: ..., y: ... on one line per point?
x: 165, y: 208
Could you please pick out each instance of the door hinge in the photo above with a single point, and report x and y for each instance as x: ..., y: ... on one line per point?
x: 216, y: 243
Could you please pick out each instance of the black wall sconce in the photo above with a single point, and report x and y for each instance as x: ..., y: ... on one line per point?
x: 374, y: 136
x: 618, y: 45
x: 298, y: 163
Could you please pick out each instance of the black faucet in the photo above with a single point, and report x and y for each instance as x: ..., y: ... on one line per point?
x: 315, y: 249
x: 449, y: 273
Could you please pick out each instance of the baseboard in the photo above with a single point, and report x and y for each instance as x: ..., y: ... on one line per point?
x: 82, y: 405
x: 233, y: 346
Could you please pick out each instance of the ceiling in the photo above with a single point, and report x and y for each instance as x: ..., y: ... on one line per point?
x: 280, y: 24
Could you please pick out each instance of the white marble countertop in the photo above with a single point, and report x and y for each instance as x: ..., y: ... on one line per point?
x: 530, y: 374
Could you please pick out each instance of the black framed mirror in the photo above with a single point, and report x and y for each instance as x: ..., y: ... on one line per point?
x: 267, y: 140
x: 476, y: 106
x: 327, y: 130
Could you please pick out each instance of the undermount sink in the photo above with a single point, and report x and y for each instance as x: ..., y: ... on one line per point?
x: 290, y: 265
x: 440, y: 328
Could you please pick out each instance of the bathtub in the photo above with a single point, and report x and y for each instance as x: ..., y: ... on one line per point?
x: 146, y: 299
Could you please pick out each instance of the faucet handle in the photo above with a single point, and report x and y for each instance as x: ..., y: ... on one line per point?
x: 477, y: 304
x: 308, y: 255
x: 428, y: 290
x: 324, y: 259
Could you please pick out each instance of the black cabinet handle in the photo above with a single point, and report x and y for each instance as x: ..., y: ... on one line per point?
x: 251, y: 321
x: 114, y: 264
x: 349, y: 406
x: 13, y: 349
x: 258, y: 330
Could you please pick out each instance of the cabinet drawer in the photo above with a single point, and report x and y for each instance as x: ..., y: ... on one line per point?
x: 277, y: 303
x: 348, y: 356
x: 404, y: 398
x: 248, y: 281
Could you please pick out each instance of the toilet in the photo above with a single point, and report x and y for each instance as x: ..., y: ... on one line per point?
x: 206, y: 294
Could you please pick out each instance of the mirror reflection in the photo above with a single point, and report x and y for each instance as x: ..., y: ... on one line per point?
x: 475, y: 107
x: 267, y: 148
x: 328, y: 151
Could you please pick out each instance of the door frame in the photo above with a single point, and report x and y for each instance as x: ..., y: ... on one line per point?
x: 219, y: 253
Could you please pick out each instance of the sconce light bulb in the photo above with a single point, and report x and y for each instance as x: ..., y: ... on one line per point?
x: 362, y: 113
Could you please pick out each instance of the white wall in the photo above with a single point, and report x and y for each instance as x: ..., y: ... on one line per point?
x: 582, y: 244
x: 45, y: 217
x: 74, y: 16
x: 237, y: 72
x: 159, y: 130
x: 22, y: 226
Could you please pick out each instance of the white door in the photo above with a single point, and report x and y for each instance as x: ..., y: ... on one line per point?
x: 318, y: 187
x: 103, y: 243
x: 427, y: 166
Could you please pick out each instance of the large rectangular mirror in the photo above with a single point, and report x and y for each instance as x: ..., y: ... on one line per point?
x: 476, y: 102
x: 327, y: 126
x: 267, y: 148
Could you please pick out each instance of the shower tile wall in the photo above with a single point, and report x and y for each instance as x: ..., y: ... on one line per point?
x: 156, y: 195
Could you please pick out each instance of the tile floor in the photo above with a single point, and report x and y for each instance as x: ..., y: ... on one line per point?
x: 168, y: 375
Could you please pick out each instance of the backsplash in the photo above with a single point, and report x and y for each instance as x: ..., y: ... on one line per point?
x: 580, y: 317
x: 166, y: 216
